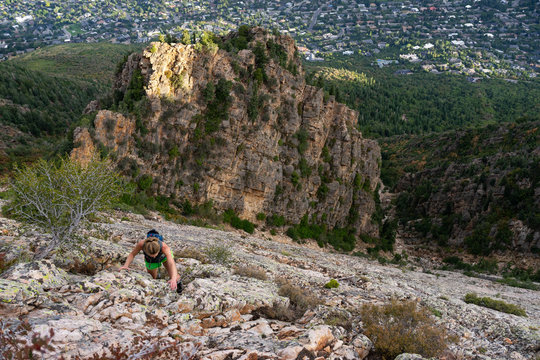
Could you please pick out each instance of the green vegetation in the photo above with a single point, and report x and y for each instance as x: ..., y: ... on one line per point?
x: 231, y: 218
x: 43, y: 94
x: 218, y: 102
x: 275, y: 220
x: 94, y: 63
x: 340, y: 238
x: 444, y: 165
x: 218, y: 254
x: 390, y: 104
x: 58, y: 197
x: 498, y: 305
x: 483, y: 266
x: 398, y: 328
x: 332, y: 284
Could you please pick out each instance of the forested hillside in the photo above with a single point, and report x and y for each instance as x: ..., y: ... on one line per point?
x: 391, y: 103
x: 43, y: 93
x: 476, y: 188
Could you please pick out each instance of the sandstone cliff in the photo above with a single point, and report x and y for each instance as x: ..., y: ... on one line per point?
x: 240, y: 128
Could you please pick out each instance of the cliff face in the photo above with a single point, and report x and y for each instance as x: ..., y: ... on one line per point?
x: 242, y: 129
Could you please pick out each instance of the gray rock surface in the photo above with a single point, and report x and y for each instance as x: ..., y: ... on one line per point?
x: 218, y: 312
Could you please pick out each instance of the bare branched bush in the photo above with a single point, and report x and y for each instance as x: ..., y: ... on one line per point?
x: 59, y: 196
x: 279, y: 311
x: 401, y: 327
x: 300, y: 300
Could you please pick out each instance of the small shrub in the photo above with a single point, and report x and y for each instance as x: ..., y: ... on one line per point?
x: 261, y: 216
x: 251, y: 271
x: 177, y: 80
x: 218, y: 254
x: 339, y: 318
x: 275, y: 220
x: 145, y: 182
x: 400, y: 327
x: 332, y: 284
x: 301, y: 299
x: 190, y: 253
x: 279, y: 311
x: 231, y: 218
x: 59, y: 196
x: 498, y: 305
x: 517, y: 283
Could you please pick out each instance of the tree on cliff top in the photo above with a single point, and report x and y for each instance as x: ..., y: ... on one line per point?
x: 59, y: 196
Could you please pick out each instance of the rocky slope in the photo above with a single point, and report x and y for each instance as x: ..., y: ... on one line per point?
x: 92, y: 307
x: 475, y: 188
x: 240, y: 128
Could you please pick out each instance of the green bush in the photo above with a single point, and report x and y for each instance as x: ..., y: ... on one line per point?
x: 218, y: 254
x: 261, y: 216
x: 339, y: 238
x: 275, y: 220
x: 145, y: 181
x: 332, y: 284
x: 498, y: 305
x: 519, y: 284
x: 305, y: 170
x: 231, y: 218
x: 302, y: 135
x: 295, y: 178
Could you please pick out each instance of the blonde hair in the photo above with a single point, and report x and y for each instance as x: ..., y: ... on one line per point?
x: 151, y: 245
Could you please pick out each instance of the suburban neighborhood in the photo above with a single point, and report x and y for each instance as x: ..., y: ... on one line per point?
x: 478, y: 38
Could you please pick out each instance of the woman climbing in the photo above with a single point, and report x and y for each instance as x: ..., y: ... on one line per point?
x: 156, y: 253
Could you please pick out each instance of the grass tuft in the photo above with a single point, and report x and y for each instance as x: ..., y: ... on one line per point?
x: 498, y: 305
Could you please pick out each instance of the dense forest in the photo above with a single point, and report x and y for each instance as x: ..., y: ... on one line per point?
x: 42, y: 94
x: 391, y: 102
x: 474, y: 187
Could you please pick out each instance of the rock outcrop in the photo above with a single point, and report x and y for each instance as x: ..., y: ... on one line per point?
x: 220, y: 313
x: 241, y: 129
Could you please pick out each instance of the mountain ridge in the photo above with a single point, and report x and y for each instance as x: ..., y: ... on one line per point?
x: 241, y: 128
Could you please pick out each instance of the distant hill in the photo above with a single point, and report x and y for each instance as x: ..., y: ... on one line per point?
x: 90, y: 62
x: 44, y: 92
x: 391, y: 103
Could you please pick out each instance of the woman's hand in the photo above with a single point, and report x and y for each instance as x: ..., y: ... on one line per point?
x: 124, y: 268
x: 172, y: 284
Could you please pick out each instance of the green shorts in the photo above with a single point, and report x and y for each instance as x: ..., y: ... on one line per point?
x: 152, y: 266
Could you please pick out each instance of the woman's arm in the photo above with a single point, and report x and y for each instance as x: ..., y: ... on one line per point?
x: 170, y: 266
x: 132, y: 254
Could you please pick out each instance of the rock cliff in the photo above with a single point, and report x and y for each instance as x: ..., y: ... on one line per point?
x: 240, y: 128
